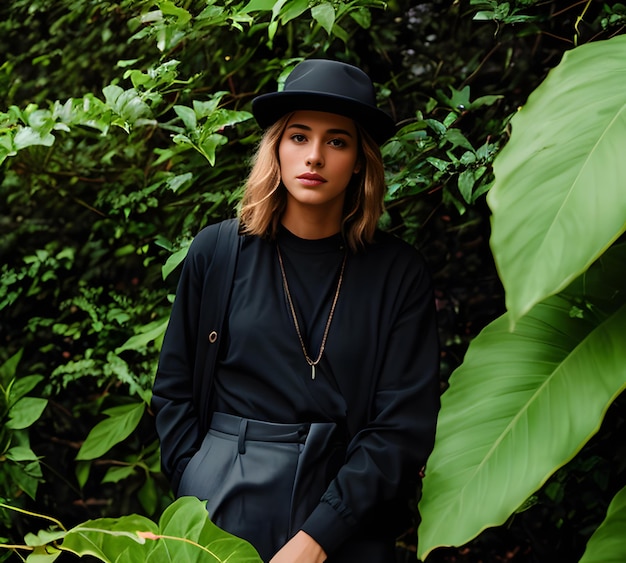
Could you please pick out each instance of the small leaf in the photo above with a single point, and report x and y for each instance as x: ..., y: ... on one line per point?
x: 457, y: 139
x: 22, y: 386
x: 362, y: 16
x: 117, y: 474
x: 484, y: 101
x: 126, y: 103
x: 293, y: 10
x: 25, y: 477
x: 209, y: 146
x: 174, y: 260
x: 170, y: 9
x: 83, y: 468
x: 7, y: 148
x: 43, y: 537
x: 25, y: 412
x: 324, y: 14
x: 9, y: 368
x: 206, y: 108
x: 466, y: 184
x: 176, y: 182
x: 149, y: 333
x: 104, y: 435
x: 21, y: 453
x: 258, y: 6
x: 27, y: 136
x: 439, y: 164
x: 276, y: 9
x: 188, y: 116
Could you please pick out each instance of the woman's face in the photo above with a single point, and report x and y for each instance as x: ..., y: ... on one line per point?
x: 318, y: 154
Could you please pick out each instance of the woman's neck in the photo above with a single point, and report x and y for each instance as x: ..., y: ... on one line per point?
x: 311, y: 226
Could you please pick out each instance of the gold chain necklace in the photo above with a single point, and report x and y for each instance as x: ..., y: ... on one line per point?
x: 309, y: 361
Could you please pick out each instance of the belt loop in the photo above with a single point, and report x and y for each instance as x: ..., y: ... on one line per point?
x: 243, y: 427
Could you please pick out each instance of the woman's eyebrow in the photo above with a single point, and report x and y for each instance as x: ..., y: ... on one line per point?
x: 328, y: 131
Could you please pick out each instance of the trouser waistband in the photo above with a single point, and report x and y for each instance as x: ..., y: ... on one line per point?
x: 258, y: 430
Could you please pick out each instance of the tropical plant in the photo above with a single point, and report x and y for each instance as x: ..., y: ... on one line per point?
x: 124, y: 130
x: 536, y: 383
x: 184, y: 533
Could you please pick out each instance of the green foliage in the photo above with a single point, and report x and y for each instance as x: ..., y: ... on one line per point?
x: 19, y: 465
x: 527, y: 399
x: 126, y: 128
x: 607, y: 544
x: 183, y: 533
x: 428, y: 154
x: 52, y: 50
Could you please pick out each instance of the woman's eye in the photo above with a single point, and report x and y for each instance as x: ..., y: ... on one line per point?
x: 338, y: 143
x: 298, y: 138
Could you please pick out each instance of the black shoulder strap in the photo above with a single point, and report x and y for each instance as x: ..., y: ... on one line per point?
x: 218, y: 282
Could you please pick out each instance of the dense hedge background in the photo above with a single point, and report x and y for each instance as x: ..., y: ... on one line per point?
x: 89, y: 218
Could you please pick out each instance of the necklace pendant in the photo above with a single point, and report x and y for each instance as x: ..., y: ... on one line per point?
x: 292, y: 309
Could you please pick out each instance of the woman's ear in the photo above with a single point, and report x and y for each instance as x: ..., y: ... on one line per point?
x: 358, y: 167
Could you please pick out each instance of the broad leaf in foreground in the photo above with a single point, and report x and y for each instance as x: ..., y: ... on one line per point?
x: 184, y: 534
x: 559, y: 200
x: 522, y: 404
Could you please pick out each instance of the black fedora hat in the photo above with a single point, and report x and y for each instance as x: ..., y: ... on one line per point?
x: 325, y: 85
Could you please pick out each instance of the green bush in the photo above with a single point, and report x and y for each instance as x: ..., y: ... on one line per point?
x: 125, y: 128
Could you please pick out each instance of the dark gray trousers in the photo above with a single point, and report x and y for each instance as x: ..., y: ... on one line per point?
x: 262, y: 480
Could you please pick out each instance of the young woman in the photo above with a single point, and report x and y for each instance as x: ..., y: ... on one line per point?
x: 323, y: 399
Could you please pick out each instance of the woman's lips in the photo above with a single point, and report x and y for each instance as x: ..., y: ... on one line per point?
x: 311, y: 179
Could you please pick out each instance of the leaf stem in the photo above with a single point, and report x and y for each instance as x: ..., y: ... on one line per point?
x: 43, y: 516
x: 8, y: 546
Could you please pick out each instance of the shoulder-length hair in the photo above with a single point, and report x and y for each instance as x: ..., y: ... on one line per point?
x: 264, y: 198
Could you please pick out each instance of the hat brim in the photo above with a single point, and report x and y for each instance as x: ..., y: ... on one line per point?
x: 269, y: 108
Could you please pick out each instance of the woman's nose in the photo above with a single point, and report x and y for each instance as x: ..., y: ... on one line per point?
x: 315, y: 157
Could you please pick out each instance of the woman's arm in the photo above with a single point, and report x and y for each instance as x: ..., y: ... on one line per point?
x: 302, y: 548
x: 173, y: 400
x: 388, y: 451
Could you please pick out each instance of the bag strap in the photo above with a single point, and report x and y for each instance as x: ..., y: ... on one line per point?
x: 218, y: 282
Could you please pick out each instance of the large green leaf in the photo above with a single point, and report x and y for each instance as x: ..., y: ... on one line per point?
x: 184, y: 534
x: 522, y: 404
x: 559, y: 198
x: 608, y: 543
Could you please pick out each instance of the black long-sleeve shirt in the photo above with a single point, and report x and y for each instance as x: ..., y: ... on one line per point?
x: 378, y: 373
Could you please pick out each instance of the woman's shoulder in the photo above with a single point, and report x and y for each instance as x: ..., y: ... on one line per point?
x: 203, y: 246
x: 210, y: 233
x: 389, y: 253
x: 392, y: 265
x: 385, y: 243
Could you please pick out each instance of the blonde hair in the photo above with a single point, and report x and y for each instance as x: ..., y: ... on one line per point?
x: 264, y: 198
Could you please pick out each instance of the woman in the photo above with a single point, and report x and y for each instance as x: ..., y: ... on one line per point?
x: 323, y: 401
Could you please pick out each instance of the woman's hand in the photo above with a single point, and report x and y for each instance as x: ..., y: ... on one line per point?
x: 302, y: 548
